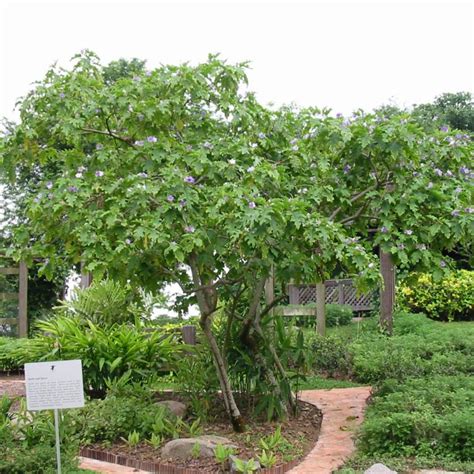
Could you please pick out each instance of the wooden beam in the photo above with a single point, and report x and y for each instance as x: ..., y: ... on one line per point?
x: 321, y: 308
x: 295, y: 310
x: 23, y: 301
x: 9, y: 271
x: 387, y: 292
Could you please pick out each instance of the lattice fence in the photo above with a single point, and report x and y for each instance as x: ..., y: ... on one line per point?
x: 337, y: 291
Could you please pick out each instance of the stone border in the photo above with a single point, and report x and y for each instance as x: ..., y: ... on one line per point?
x: 161, y: 468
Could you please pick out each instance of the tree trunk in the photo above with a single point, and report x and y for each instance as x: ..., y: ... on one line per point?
x: 387, y: 293
x: 207, y: 302
x: 229, y: 401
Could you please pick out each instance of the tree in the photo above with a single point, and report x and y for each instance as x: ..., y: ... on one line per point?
x: 455, y: 110
x: 178, y: 174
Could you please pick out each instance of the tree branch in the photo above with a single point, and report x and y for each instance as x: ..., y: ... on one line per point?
x: 108, y: 133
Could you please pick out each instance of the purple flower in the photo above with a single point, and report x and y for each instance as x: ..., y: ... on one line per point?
x: 170, y: 198
x: 295, y: 148
x: 72, y: 189
x: 469, y: 210
x: 142, y: 175
x: 415, y: 173
x: 151, y: 139
x: 49, y: 185
x: 347, y: 168
x: 140, y: 117
x: 448, y: 173
x: 252, y: 205
x: 208, y: 145
x: 455, y: 213
x: 148, y: 73
x: 62, y: 95
x: 78, y: 175
x: 139, y: 142
x: 99, y: 173
x: 408, y: 232
x: 293, y: 141
x: 37, y: 198
x: 189, y: 179
x: 459, y: 136
x: 464, y: 170
x: 262, y: 136
x: 429, y: 185
x: 182, y: 202
x: 128, y: 241
x: 250, y: 169
x: 458, y: 190
x: 384, y: 230
x: 136, y: 78
x: 339, y: 115
x: 189, y: 229
x: 99, y: 146
x: 442, y: 264
x: 401, y: 246
x: 444, y: 128
x: 438, y: 172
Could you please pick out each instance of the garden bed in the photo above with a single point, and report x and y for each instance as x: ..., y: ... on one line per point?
x: 300, y: 435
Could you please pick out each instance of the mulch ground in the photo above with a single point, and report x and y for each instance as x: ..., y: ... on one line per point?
x: 300, y: 433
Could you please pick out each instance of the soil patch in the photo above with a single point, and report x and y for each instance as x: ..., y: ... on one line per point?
x: 300, y: 433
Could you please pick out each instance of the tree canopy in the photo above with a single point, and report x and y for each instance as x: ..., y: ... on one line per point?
x: 179, y: 174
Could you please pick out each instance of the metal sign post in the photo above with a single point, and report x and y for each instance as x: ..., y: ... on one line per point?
x: 58, y: 445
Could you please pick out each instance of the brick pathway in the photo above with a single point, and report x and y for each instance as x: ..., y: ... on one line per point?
x: 343, y: 410
x: 107, y: 467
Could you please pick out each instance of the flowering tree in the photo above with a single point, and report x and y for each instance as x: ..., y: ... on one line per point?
x: 179, y: 175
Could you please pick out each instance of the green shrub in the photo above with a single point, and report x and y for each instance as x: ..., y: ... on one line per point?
x: 421, y: 417
x: 338, y: 314
x: 27, y: 445
x: 107, y: 354
x: 331, y: 355
x: 10, y: 350
x: 449, y: 299
x: 115, y: 416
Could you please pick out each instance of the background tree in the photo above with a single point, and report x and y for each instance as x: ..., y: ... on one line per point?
x: 179, y: 175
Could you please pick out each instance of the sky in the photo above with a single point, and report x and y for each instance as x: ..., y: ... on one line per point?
x: 342, y: 55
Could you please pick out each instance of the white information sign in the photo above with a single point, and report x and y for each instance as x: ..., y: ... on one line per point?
x: 54, y: 385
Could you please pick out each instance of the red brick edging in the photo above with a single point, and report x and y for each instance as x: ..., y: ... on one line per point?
x: 162, y: 468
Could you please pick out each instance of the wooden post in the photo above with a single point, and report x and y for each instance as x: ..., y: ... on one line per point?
x: 189, y: 334
x: 23, y: 301
x: 387, y: 293
x: 321, y: 308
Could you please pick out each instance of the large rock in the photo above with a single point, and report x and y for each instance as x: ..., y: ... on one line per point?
x: 177, y: 408
x: 379, y: 469
x: 184, y: 448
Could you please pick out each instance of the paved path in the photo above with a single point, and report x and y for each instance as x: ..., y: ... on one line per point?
x: 343, y: 410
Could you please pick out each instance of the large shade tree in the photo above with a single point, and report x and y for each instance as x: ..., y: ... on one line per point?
x: 180, y: 175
